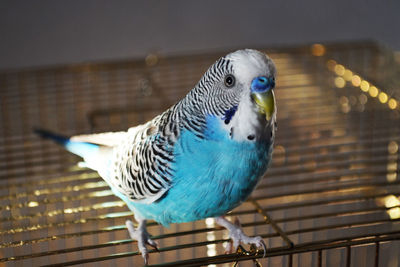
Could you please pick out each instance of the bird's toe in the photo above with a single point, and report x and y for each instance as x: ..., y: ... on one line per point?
x: 239, y: 236
x: 152, y: 243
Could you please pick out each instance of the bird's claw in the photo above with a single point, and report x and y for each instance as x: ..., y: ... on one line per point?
x: 262, y: 245
x: 237, y: 236
x: 240, y: 237
x: 153, y: 244
x: 144, y: 251
x: 143, y: 238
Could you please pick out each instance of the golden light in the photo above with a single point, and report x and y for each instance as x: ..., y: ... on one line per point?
x: 391, y: 201
x: 211, y: 248
x: 68, y: 211
x: 392, y: 166
x: 101, y: 193
x: 210, y: 222
x: 383, y: 97
x: 330, y: 64
x: 373, y: 91
x: 356, y: 80
x: 348, y: 75
x: 340, y: 82
x: 339, y: 69
x: 32, y: 204
x: 364, y: 85
x: 392, y: 103
x: 393, y: 147
x: 317, y: 50
x: 394, y: 213
x: 391, y: 177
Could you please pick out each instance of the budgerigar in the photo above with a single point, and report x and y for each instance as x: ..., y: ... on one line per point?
x: 201, y: 158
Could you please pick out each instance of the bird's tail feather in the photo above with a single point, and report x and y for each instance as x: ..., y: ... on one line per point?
x: 82, y: 149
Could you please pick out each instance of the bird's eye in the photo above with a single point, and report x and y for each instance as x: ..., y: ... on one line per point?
x: 229, y: 80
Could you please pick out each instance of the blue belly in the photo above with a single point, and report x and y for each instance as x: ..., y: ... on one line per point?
x: 212, y: 176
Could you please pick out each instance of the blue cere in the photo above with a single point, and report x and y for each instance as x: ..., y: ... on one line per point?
x: 262, y: 84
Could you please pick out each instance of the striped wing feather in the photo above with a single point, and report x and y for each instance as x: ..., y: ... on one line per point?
x: 139, y: 166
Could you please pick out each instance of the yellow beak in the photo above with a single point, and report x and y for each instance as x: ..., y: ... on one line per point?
x: 265, y: 102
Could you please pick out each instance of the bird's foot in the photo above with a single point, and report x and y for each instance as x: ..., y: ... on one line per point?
x: 237, y: 236
x: 142, y: 237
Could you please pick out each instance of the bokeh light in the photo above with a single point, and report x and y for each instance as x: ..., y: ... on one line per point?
x: 348, y: 75
x: 317, y: 50
x: 356, y: 80
x: 340, y: 82
x: 364, y: 85
x: 373, y: 91
x: 393, y: 147
x: 339, y: 69
x: 383, y: 97
x: 330, y: 64
x: 392, y: 103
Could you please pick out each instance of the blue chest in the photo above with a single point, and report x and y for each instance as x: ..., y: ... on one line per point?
x: 211, y: 176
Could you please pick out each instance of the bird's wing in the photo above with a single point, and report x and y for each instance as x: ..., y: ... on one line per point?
x: 141, y: 166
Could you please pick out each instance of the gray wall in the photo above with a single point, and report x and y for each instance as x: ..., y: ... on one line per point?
x: 40, y: 33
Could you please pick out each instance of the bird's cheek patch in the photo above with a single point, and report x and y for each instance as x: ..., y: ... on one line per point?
x: 229, y: 114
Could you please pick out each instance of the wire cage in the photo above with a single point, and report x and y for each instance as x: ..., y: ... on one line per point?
x: 330, y: 198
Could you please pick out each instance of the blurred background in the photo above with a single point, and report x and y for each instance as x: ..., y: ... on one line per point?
x: 40, y: 33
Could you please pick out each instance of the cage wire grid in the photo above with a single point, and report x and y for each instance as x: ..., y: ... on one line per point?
x: 330, y: 198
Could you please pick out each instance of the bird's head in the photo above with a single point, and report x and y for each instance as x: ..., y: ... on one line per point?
x: 238, y: 89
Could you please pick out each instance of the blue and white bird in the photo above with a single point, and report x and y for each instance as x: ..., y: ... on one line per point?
x: 201, y: 158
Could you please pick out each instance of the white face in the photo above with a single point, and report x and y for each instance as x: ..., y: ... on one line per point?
x: 248, y: 124
x: 249, y: 64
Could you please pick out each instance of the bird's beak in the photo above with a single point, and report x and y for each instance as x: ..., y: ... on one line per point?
x: 265, y: 102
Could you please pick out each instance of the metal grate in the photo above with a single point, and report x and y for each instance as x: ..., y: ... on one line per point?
x: 331, y: 197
